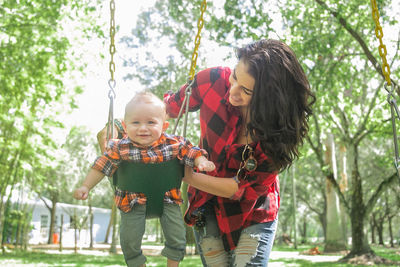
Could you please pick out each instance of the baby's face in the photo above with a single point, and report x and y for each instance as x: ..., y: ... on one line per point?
x: 145, y: 122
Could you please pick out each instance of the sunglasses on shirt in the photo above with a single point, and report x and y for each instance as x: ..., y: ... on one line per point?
x: 248, y: 163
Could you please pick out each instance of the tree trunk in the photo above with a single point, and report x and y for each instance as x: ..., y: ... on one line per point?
x: 379, y: 227
x: 322, y: 219
x: 391, y: 231
x: 60, y: 248
x: 25, y: 235
x: 372, y: 226
x: 294, y: 206
x: 343, y: 188
x: 2, y: 220
x: 304, y: 230
x: 388, y: 215
x: 158, y: 231
x: 334, y: 232
x: 52, y: 210
x: 113, y: 247
x: 91, y: 224
x: 4, y: 206
x: 109, y: 228
x: 75, y: 232
x: 18, y: 234
x: 357, y: 214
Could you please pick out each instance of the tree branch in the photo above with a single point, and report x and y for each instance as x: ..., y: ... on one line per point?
x: 358, y: 38
x: 381, y: 188
x: 372, y: 104
x: 45, y: 203
x: 305, y: 200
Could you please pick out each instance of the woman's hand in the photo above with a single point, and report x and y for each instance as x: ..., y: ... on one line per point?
x: 102, y: 137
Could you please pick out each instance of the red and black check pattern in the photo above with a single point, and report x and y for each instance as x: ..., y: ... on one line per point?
x: 166, y: 148
x: 257, y: 199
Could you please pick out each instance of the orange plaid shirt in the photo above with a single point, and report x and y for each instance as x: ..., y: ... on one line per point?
x: 166, y: 148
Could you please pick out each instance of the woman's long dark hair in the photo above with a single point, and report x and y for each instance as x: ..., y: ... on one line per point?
x: 281, y: 101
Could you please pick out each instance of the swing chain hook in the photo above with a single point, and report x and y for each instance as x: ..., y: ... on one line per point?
x: 185, y: 103
x: 394, y: 111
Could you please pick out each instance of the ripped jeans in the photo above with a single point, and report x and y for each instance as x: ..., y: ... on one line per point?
x: 253, y: 249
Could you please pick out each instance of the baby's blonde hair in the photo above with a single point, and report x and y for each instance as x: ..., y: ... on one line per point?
x: 145, y: 97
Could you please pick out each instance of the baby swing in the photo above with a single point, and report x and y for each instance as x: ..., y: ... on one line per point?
x: 151, y: 179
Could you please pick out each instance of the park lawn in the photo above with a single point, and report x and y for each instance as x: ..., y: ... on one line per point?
x: 36, y: 258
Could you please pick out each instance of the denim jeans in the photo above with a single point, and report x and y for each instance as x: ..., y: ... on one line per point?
x: 253, y: 249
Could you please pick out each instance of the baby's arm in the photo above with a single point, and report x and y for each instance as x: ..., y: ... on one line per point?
x: 203, y: 164
x: 93, y: 178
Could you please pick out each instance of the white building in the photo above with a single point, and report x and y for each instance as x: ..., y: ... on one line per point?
x: 41, y: 221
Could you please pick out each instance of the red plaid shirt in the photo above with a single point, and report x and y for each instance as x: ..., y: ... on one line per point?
x: 166, y: 148
x: 257, y: 199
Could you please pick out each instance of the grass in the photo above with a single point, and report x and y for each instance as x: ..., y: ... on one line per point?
x: 79, y: 260
x: 388, y: 253
x: 38, y: 258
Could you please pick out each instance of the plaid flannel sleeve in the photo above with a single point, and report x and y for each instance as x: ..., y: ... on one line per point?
x: 109, y: 161
x: 188, y: 153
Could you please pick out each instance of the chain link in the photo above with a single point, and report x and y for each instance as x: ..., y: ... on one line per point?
x: 112, y: 39
x: 200, y: 24
x: 382, y: 47
x: 111, y: 82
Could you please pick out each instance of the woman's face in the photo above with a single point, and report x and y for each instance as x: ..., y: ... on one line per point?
x: 242, y: 86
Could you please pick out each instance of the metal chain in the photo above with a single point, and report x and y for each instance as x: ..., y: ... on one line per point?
x: 188, y: 90
x: 382, y: 47
x: 111, y: 82
x: 200, y: 24
x: 394, y: 110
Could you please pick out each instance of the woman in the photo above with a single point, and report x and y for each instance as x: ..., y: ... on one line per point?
x: 253, y: 119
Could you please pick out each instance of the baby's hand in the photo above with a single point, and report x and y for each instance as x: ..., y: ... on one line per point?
x: 81, y: 193
x: 206, y: 166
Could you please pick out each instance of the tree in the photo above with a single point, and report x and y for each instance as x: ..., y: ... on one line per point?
x: 356, y: 118
x: 34, y: 58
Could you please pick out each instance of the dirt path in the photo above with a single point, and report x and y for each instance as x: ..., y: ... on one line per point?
x: 276, y: 255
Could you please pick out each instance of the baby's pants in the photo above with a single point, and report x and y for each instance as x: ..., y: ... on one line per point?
x: 132, y: 230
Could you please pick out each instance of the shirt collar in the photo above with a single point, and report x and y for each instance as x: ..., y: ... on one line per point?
x: 160, y: 140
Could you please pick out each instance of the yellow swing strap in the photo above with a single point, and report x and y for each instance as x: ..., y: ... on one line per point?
x: 394, y: 110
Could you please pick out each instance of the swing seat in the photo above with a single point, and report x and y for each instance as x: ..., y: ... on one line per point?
x: 151, y: 179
